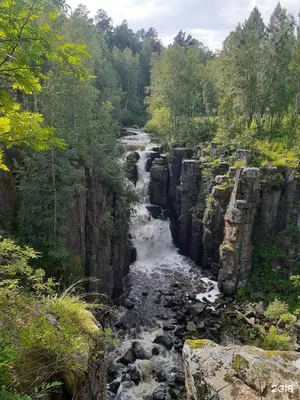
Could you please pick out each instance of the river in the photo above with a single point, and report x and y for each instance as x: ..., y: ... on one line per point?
x: 160, y: 284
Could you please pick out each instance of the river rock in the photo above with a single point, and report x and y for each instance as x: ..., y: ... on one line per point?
x: 164, y: 340
x: 191, y: 327
x: 197, y: 308
x: 114, y: 385
x: 159, y: 393
x: 129, y: 304
x: 128, y: 357
x: 135, y: 375
x: 139, y: 351
x: 239, y: 372
x: 155, y: 211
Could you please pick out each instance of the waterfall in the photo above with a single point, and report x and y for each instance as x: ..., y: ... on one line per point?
x: 159, y: 269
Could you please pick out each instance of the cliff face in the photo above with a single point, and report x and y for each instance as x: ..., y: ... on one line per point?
x: 217, y: 212
x: 97, y: 235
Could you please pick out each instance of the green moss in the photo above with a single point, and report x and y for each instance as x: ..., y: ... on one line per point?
x: 197, y: 344
x: 239, y: 363
x: 229, y: 379
x: 226, y: 246
x: 284, y: 354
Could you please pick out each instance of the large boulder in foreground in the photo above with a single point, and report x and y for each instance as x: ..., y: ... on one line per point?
x: 214, y: 372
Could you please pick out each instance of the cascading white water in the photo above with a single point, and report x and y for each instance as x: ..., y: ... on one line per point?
x: 157, y: 268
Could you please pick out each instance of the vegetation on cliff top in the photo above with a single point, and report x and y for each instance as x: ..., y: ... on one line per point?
x: 247, y: 96
x: 46, y: 338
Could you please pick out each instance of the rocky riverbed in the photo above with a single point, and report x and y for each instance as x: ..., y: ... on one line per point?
x: 167, y: 299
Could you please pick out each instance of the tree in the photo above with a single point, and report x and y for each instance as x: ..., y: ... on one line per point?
x: 103, y: 21
x: 28, y: 45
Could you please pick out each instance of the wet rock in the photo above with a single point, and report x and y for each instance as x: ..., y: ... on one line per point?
x: 128, y: 358
x: 178, y: 344
x: 180, y: 378
x: 129, y: 304
x: 180, y: 315
x: 168, y: 327
x: 155, y: 351
x: 197, y: 308
x: 159, y: 393
x: 155, y: 211
x: 125, y: 378
x: 139, y: 351
x: 114, y: 385
x: 155, y: 155
x: 135, y: 375
x: 148, y: 164
x: 164, y: 340
x: 133, y: 255
x: 180, y: 331
x: 160, y: 375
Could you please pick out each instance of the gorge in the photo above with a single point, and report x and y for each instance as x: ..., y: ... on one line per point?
x: 154, y: 263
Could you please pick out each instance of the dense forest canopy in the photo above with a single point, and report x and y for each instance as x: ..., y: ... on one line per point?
x: 68, y: 83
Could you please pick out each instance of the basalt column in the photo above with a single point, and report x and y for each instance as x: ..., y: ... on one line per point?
x: 190, y: 181
x: 236, y: 249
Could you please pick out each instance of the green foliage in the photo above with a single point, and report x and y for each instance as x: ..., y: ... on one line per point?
x: 44, y: 335
x: 274, y: 284
x: 276, y: 309
x: 275, y: 341
x: 288, y: 318
x: 177, y: 109
x: 28, y: 43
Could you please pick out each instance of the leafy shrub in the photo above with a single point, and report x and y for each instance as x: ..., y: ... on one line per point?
x: 274, y: 341
x: 288, y: 318
x: 44, y: 336
x: 276, y: 309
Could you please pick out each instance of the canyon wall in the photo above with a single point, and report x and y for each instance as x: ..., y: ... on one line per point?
x: 218, y: 212
x: 96, y: 234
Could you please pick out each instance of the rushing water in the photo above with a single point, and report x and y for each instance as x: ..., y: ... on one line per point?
x: 159, y: 270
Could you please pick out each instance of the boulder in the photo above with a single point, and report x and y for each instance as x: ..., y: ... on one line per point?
x: 197, y: 308
x: 128, y: 358
x: 164, y: 340
x: 214, y: 372
x: 155, y: 211
x: 139, y: 351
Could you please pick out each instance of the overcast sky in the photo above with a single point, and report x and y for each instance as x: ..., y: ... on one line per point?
x: 208, y: 20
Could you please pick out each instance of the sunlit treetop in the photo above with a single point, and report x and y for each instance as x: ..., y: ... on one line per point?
x: 29, y: 47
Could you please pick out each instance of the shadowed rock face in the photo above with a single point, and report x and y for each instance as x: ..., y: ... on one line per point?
x: 235, y: 372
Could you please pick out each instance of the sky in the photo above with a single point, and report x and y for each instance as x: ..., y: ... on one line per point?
x: 209, y: 21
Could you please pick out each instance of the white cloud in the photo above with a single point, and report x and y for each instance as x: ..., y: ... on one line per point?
x: 209, y: 21
x: 132, y: 10
x: 210, y: 37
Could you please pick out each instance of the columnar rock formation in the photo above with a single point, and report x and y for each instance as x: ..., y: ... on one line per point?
x: 218, y: 213
x: 97, y: 235
x: 236, y: 249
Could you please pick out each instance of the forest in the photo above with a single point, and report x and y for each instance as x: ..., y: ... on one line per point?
x: 69, y: 82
